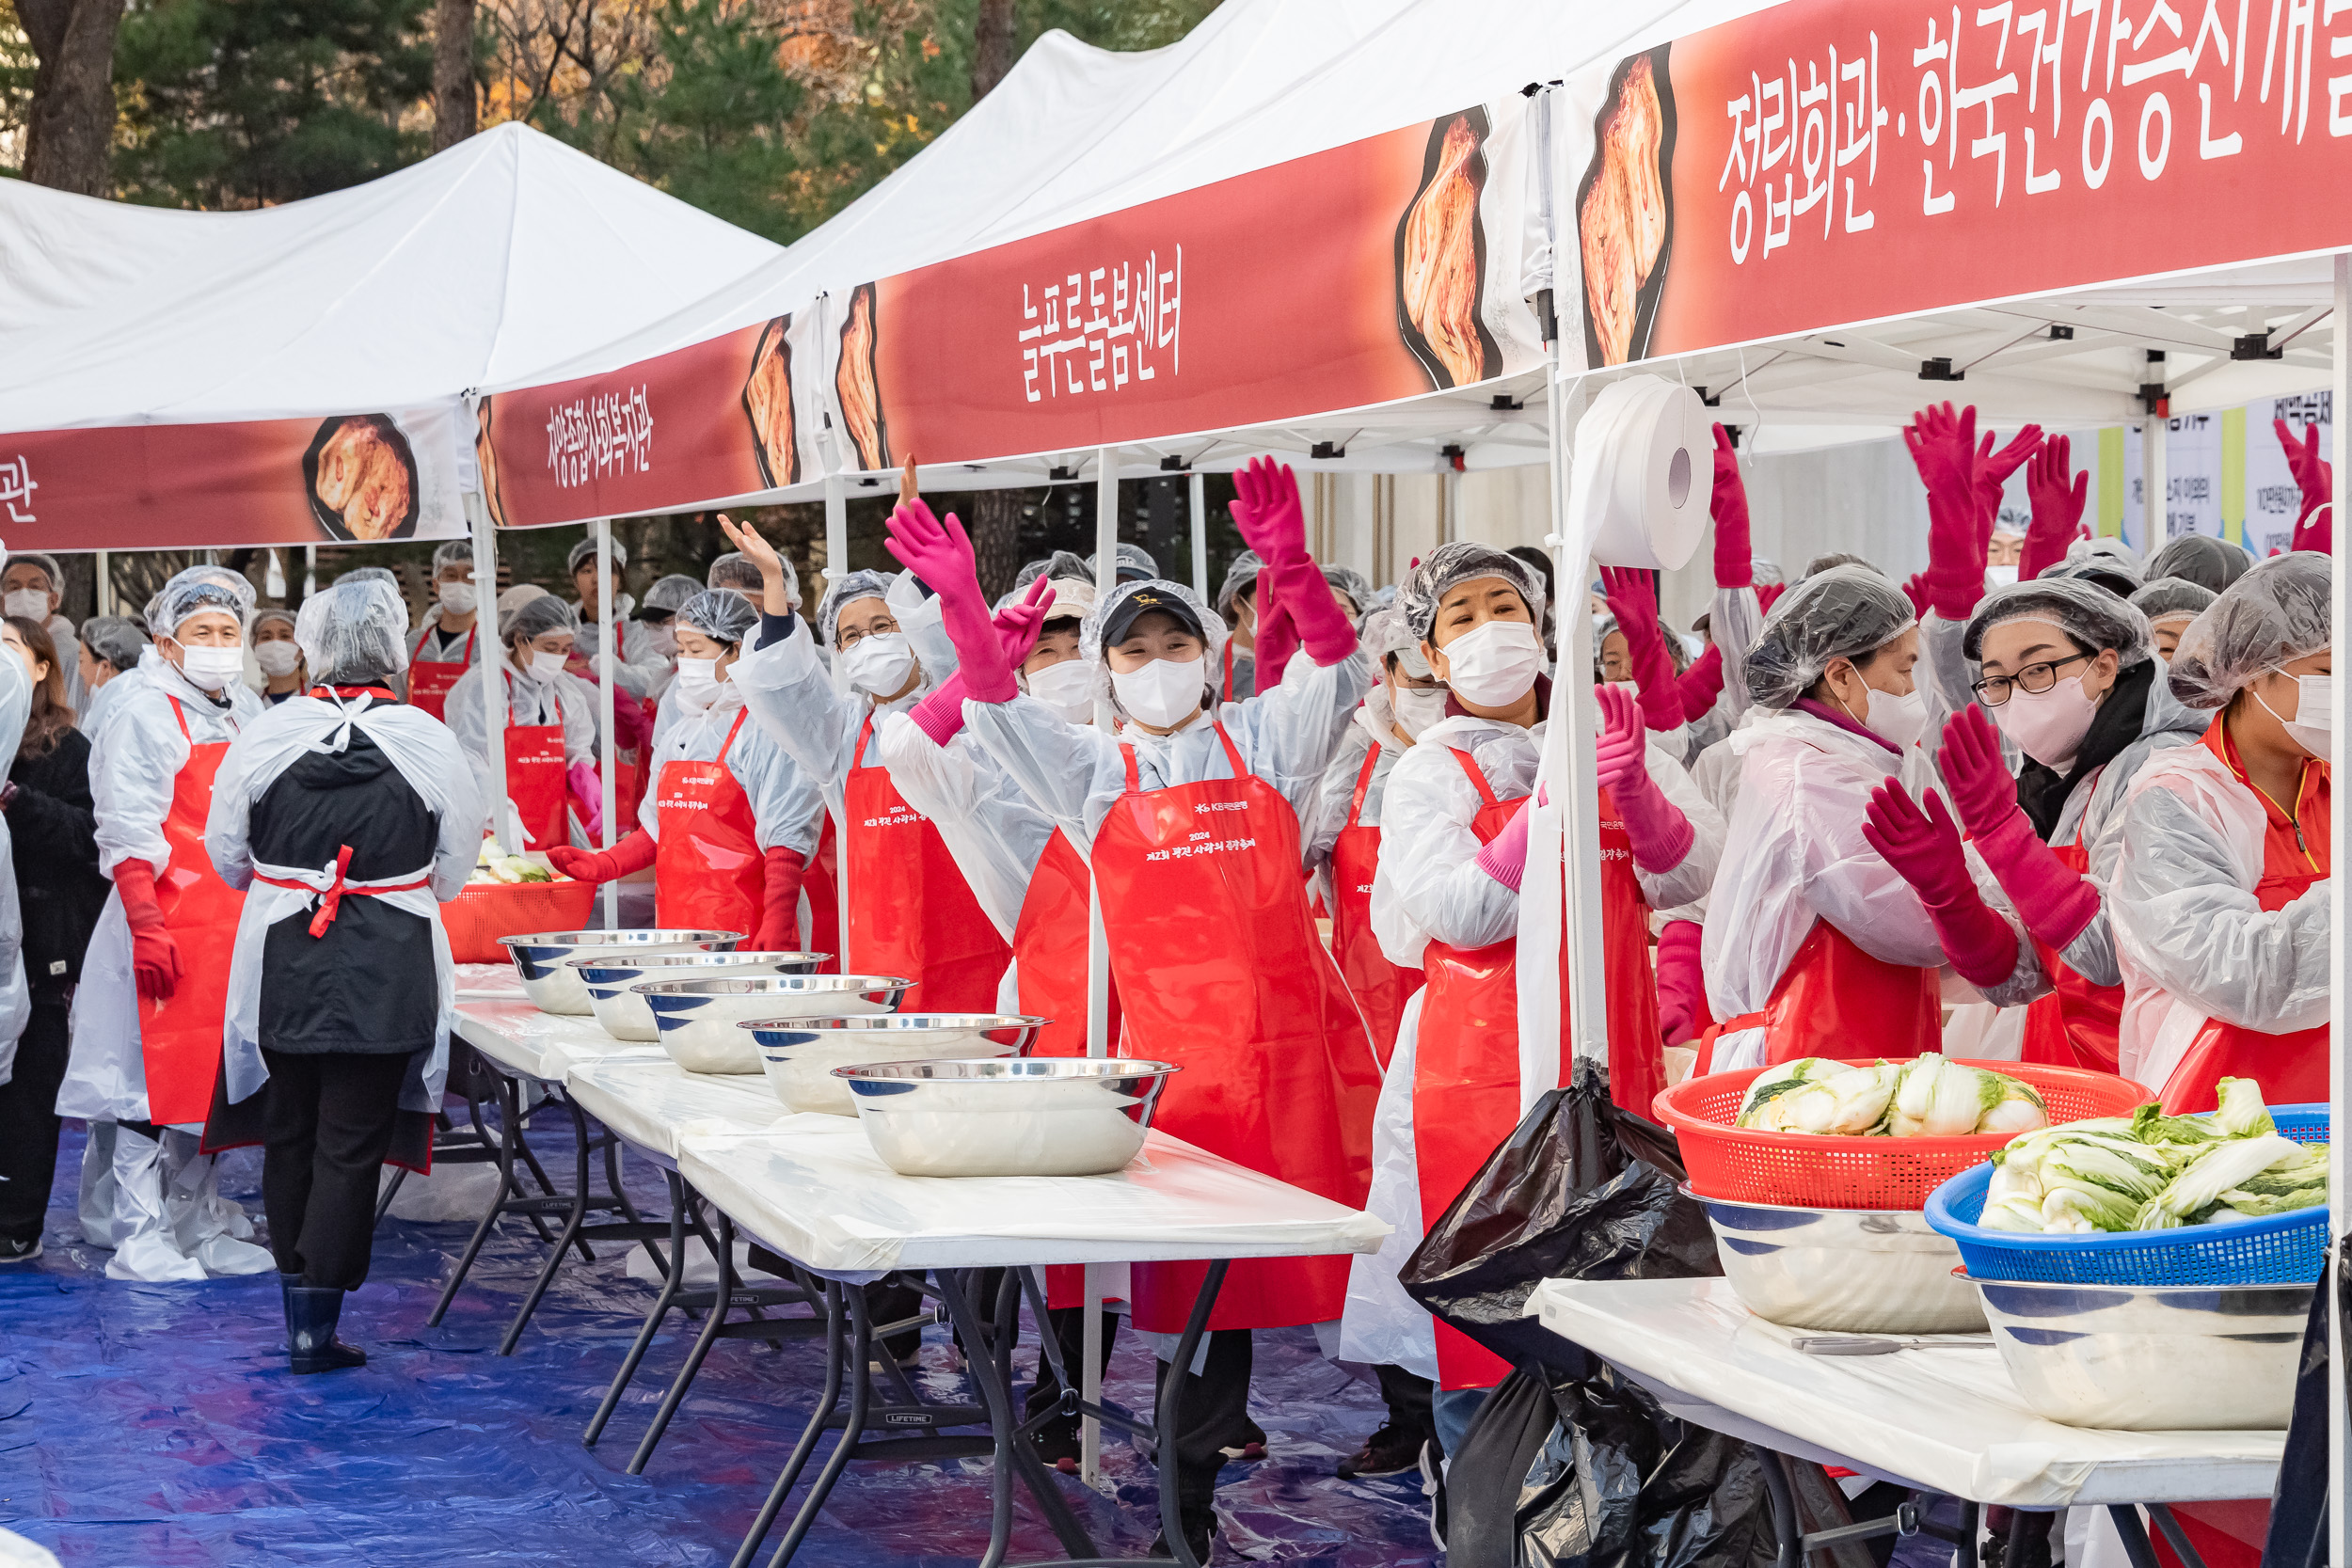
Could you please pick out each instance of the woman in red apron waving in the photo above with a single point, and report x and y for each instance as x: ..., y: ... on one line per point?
x: 147, y: 1019
x: 732, y: 820
x: 910, y: 910
x: 551, y: 727
x: 1189, y: 815
x: 442, y: 649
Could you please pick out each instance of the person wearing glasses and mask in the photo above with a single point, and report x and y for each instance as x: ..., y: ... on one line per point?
x: 147, y: 1019
x: 1814, y: 937
x: 551, y: 732
x: 912, y: 913
x: 1219, y: 965
x: 2071, y: 680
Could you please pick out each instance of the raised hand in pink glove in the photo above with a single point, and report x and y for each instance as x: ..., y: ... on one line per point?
x: 1701, y: 685
x: 1993, y: 468
x: 1305, y: 596
x: 1266, y: 509
x: 1735, y: 559
x: 941, y: 554
x: 1944, y: 449
x: 1660, y: 835
x: 587, y: 792
x: 2058, y: 508
x: 1915, y: 590
x: 2316, y: 477
x: 1635, y: 605
x: 1768, y: 594
x: 2054, y: 900
x: 1924, y: 848
x: 1276, y: 636
x: 1018, y: 624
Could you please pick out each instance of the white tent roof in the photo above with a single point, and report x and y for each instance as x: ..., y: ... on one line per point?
x: 480, y: 264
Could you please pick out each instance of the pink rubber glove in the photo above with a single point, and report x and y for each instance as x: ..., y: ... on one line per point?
x: 2054, y: 900
x: 1268, y: 511
x: 941, y: 554
x: 1768, y: 594
x: 1018, y: 624
x: 1915, y: 590
x: 2058, y: 508
x: 1635, y: 605
x: 1323, y: 630
x: 1924, y: 846
x: 1504, y: 857
x: 2314, y: 476
x: 1277, y: 638
x: 1661, y: 835
x: 1943, y: 448
x: 1701, y: 685
x: 1681, y: 982
x: 1992, y: 470
x: 1735, y: 559
x: 588, y: 791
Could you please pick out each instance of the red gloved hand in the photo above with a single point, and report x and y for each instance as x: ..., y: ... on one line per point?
x: 941, y: 554
x: 2054, y: 900
x: 2314, y: 476
x: 1701, y: 685
x: 2058, y: 508
x: 1768, y: 594
x: 1635, y: 605
x: 780, y: 901
x: 633, y: 854
x: 1681, y: 983
x: 1266, y: 509
x: 1992, y: 470
x: 1018, y: 624
x: 1924, y: 848
x: 1915, y: 590
x: 155, y: 954
x: 1943, y: 448
x: 1661, y: 835
x: 1983, y: 791
x: 1304, y: 595
x: 1735, y: 562
x: 1277, y: 636
x: 1504, y: 857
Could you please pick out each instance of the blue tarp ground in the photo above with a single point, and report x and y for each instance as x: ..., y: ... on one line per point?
x: 157, y: 1425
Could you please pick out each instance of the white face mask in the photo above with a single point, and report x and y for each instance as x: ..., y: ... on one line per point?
x: 1165, y: 692
x: 211, y: 669
x: 1896, y: 720
x: 26, y: 603
x: 546, y: 666
x: 1416, y: 710
x: 458, y: 598
x: 1494, y: 665
x: 2000, y: 577
x: 277, y: 659
x: 1067, y: 688
x: 2314, y: 721
x: 880, y: 665
x: 2048, y: 726
x: 698, y: 680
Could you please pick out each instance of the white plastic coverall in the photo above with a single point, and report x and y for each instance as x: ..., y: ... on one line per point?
x: 2191, y: 939
x: 792, y: 697
x: 1794, y: 852
x: 786, y: 809
x: 168, y: 1219
x: 528, y: 701
x: 643, y: 668
x: 429, y: 762
x: 1372, y: 725
x: 1430, y: 887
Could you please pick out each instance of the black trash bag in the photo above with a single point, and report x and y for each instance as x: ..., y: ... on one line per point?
x: 1588, y: 1472
x: 1580, y: 1190
x: 2298, y: 1506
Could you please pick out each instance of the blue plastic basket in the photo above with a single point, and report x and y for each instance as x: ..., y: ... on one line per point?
x: 2283, y: 1249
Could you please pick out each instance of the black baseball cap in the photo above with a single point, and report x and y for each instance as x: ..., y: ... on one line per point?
x: 1142, y: 601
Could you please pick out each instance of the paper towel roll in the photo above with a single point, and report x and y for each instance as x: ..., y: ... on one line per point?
x: 1646, y: 470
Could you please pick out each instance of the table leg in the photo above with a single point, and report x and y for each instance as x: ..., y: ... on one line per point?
x: 785, y: 1478
x: 509, y: 1135
x: 1164, y: 1416
x: 674, y: 1279
x: 982, y: 1366
x: 2174, y: 1535
x: 1787, y: 1533
x: 2135, y: 1534
x: 861, y: 1346
x: 572, y: 1223
x: 724, y: 1253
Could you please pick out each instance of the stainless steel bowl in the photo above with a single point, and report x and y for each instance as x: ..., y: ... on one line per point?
x: 2152, y: 1358
x: 697, y: 1018
x: 626, y: 1017
x: 800, y: 1055
x: 541, y: 959
x: 1020, y: 1116
x: 1848, y: 1271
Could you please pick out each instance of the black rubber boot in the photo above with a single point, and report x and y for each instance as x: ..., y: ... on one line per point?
x: 311, y: 1343
x: 287, y: 1285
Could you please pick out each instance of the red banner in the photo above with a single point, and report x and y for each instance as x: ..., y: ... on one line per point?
x: 1830, y: 161
x: 350, y: 476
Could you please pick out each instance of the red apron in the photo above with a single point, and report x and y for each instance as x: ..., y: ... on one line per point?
x: 536, y: 776
x: 1226, y: 691
x: 429, y: 679
x: 1221, y: 970
x: 1381, y: 987
x: 1836, y: 1000
x: 821, y: 884
x: 1049, y: 949
x: 2080, y: 1021
x: 708, y: 873
x: 180, y: 1038
x: 911, y: 912
x: 1637, y: 1046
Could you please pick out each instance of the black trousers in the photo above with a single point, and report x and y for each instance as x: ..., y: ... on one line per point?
x: 1213, y: 1412
x: 1411, y: 1400
x: 28, y: 1123
x: 328, y: 1124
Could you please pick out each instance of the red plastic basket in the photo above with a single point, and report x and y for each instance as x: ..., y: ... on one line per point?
x: 1809, y: 1170
x: 485, y: 912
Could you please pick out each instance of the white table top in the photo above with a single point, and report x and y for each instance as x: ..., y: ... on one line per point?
x: 650, y: 1102
x: 1949, y: 1420
x: 522, y: 1039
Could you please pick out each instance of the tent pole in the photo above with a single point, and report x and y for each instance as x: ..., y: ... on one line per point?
x: 608, y: 775
x: 1200, y: 487
x: 1098, y: 944
x: 503, y: 824
x: 106, y: 600
x: 837, y: 566
x: 2155, y: 505
x: 1574, y: 760
x: 2338, y: 1014
x: 310, y: 569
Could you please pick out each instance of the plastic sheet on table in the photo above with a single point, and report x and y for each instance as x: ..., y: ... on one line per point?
x: 649, y: 1100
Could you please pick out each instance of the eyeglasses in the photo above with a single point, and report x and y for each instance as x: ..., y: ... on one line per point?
x: 2034, y: 679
